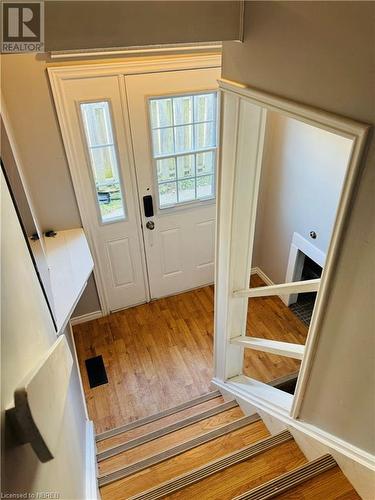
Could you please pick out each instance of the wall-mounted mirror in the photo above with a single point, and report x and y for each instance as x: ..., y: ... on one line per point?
x: 26, y: 218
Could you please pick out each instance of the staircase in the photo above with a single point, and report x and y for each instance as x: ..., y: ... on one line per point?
x: 208, y: 449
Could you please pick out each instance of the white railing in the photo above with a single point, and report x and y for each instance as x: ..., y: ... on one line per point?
x: 244, y: 113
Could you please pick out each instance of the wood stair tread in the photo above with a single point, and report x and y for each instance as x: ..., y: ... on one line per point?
x: 157, y: 424
x: 196, y: 457
x: 156, y: 416
x: 168, y: 429
x: 331, y: 485
x: 145, y: 450
x: 246, y: 475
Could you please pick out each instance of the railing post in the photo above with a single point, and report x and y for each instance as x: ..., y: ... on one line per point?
x: 242, y: 137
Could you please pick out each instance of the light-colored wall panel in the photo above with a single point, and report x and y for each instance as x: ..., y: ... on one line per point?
x: 302, y: 176
x: 27, y: 333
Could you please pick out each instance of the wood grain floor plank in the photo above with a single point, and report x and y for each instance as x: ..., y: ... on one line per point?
x: 330, y: 485
x: 168, y: 441
x: 160, y: 354
x: 243, y: 476
x: 158, y: 424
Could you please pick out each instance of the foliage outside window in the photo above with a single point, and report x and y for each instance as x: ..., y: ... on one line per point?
x: 184, y: 138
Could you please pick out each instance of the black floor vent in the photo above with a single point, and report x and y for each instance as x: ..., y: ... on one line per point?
x: 96, y: 371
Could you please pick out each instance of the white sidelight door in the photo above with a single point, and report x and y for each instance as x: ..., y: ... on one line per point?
x: 173, y: 118
x: 101, y: 165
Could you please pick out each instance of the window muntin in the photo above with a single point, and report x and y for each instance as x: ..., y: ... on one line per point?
x: 184, y: 139
x: 103, y: 160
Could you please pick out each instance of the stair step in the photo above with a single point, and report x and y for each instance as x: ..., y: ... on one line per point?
x: 289, y: 480
x: 175, y: 426
x: 176, y: 450
x: 331, y: 484
x: 243, y: 476
x: 212, y: 467
x: 157, y: 416
x: 169, y: 441
x: 191, y: 459
x: 157, y: 424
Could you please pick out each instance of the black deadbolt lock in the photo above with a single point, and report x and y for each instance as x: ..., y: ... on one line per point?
x: 148, y: 206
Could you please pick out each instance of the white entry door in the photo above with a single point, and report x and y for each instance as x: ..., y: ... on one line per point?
x: 173, y: 117
x: 101, y: 164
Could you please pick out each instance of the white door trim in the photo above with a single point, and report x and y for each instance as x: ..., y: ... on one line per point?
x: 59, y: 74
x: 230, y: 262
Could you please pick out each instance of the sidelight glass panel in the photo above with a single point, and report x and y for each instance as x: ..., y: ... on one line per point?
x: 103, y: 160
x: 184, y: 140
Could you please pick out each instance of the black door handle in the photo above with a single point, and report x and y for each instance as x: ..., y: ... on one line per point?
x: 148, y: 206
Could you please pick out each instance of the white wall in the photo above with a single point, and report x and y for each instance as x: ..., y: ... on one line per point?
x: 302, y: 175
x: 26, y: 333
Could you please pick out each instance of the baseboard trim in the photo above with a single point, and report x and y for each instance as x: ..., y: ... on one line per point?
x: 84, y: 318
x: 262, y: 275
x: 91, y: 483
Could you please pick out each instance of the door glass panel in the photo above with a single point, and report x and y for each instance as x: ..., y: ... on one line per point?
x: 205, y: 163
x: 181, y: 125
x: 183, y: 110
x: 166, y: 169
x: 168, y: 193
x: 186, y: 190
x: 161, y: 113
x: 205, y: 186
x: 184, y: 138
x: 103, y: 160
x: 185, y: 166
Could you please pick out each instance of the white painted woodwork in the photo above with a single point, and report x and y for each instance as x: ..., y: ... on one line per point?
x: 70, y: 264
x: 170, y: 49
x: 298, y: 249
x: 39, y: 401
x: 120, y: 270
x: 231, y: 243
x: 117, y: 245
x: 287, y: 349
x: 180, y: 250
x: 258, y: 393
x: 266, y: 291
x: 242, y: 138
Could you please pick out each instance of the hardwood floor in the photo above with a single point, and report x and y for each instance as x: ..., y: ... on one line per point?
x: 158, y: 355
x: 270, y: 318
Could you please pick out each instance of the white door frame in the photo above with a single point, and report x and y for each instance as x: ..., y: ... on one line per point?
x: 150, y: 64
x: 242, y: 133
